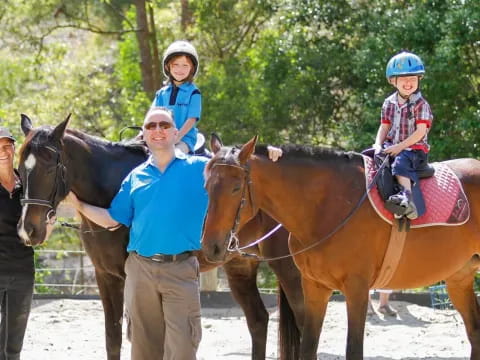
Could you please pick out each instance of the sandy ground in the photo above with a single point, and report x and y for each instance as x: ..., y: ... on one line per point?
x: 73, y: 329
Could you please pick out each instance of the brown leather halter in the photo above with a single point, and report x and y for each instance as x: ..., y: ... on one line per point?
x: 60, y: 180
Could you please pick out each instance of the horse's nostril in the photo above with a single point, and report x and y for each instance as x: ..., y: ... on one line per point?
x: 216, y: 250
x: 29, y: 230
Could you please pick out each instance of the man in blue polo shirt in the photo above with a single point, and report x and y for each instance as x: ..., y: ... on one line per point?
x: 163, y: 201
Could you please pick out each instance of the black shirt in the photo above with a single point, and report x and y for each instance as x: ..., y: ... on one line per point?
x: 15, y: 257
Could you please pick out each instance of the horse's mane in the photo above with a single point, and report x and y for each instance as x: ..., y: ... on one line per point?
x: 41, y: 136
x: 131, y: 145
x: 293, y: 151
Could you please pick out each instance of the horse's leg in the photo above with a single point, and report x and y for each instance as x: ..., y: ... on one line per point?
x: 462, y: 295
x: 356, y: 296
x: 107, y: 251
x: 316, y: 298
x: 291, y: 307
x: 242, y: 279
x: 111, y: 292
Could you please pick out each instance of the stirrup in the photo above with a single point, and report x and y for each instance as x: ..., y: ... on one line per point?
x: 401, y: 205
x: 396, y: 209
x: 411, y: 212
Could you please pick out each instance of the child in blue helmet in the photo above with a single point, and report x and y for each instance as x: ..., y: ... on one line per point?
x: 180, y: 65
x: 406, y: 119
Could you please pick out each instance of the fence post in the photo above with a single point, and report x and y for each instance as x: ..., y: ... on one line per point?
x: 209, y: 280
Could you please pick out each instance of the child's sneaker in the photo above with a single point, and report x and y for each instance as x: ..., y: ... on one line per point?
x: 401, y: 204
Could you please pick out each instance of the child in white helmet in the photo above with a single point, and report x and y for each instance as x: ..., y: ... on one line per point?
x: 180, y: 94
x: 406, y: 119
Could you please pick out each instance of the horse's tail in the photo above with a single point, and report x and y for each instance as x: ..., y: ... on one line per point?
x: 288, y: 332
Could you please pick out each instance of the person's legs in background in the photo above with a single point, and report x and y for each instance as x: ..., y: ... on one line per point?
x: 384, y: 303
x: 370, y: 309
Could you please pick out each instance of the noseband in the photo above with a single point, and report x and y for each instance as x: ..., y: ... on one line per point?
x: 60, y: 179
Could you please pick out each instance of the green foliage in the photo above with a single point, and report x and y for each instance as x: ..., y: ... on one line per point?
x: 302, y: 71
x: 61, y: 239
x: 266, y: 278
x: 290, y: 71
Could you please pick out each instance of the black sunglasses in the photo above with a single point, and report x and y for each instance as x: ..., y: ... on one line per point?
x: 163, y: 125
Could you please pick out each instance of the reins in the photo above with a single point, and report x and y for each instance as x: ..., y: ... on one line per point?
x: 77, y: 227
x: 233, y: 241
x: 258, y: 241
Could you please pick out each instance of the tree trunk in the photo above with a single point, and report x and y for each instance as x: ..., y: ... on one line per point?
x: 143, y: 37
x: 186, y: 16
x: 156, y: 66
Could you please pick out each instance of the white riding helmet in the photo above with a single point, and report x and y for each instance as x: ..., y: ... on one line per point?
x: 180, y: 47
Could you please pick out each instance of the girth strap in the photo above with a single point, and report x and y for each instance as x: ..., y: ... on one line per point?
x: 392, y: 256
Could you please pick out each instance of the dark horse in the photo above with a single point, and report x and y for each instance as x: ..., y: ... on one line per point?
x: 54, y: 161
x: 312, y: 192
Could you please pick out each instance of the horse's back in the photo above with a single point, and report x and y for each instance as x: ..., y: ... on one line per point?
x: 467, y: 170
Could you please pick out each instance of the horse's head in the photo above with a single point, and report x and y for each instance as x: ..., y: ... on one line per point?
x: 43, y: 174
x: 230, y: 196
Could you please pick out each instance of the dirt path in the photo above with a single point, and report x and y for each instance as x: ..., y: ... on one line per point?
x: 73, y: 330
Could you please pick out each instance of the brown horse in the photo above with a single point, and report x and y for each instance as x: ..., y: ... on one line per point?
x: 54, y: 161
x: 312, y: 192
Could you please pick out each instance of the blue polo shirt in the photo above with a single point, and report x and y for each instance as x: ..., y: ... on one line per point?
x: 186, y: 102
x: 164, y: 210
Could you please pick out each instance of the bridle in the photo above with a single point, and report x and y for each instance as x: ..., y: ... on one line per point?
x: 51, y: 203
x: 60, y: 180
x: 232, y: 243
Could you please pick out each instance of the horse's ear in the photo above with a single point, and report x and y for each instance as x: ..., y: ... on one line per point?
x: 247, y: 150
x: 215, y: 143
x: 59, y: 131
x: 26, y: 124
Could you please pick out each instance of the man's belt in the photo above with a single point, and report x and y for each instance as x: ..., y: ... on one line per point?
x: 162, y: 258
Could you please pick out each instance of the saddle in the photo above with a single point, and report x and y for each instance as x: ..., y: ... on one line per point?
x: 445, y: 200
x: 446, y: 204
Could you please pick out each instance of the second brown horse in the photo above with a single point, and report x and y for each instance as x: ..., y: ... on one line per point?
x: 339, y: 240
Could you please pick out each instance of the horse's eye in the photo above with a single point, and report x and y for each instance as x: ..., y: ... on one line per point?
x: 236, y: 188
x: 45, y: 155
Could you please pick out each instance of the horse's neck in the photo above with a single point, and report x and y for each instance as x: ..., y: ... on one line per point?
x: 282, y: 189
x: 95, y: 171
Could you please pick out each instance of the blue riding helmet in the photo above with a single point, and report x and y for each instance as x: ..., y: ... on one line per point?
x: 403, y: 64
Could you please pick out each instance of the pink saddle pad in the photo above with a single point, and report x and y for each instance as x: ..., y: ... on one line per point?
x: 445, y: 200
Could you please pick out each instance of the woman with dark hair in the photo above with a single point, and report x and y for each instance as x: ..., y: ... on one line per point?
x: 16, y: 260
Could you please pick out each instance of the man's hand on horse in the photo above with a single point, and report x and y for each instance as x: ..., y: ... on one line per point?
x: 72, y: 199
x: 274, y: 153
